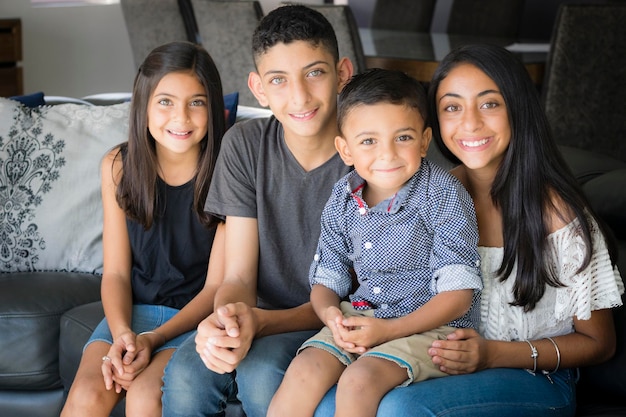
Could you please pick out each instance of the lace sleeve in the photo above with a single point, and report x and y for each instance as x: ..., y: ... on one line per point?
x: 597, y: 287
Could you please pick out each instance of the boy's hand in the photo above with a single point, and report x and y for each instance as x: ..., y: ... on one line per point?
x: 333, y: 319
x: 225, y: 337
x: 364, y: 332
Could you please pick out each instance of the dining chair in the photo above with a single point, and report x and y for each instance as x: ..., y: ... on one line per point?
x: 346, y: 30
x: 151, y: 23
x: 585, y: 79
x: 500, y: 18
x: 407, y: 15
x: 225, y: 29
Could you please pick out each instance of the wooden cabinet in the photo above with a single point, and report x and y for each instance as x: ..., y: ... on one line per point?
x: 11, y: 78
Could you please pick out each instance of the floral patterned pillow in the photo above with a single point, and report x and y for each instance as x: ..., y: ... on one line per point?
x: 50, y: 204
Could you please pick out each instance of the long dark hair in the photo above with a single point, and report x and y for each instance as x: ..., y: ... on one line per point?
x: 136, y: 191
x: 531, y: 172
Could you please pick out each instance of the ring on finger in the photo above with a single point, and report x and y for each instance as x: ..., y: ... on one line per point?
x: 105, y: 358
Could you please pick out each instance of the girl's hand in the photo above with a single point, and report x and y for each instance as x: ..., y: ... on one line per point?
x: 128, y: 356
x: 464, y: 351
x: 113, y: 362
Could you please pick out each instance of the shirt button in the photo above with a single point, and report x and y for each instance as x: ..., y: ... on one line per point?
x: 384, y: 306
x: 368, y: 245
x: 376, y: 290
x: 362, y: 210
x: 316, y: 257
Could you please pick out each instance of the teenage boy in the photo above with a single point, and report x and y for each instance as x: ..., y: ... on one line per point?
x: 271, y: 182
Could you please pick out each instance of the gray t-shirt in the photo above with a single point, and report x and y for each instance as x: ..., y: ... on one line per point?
x: 257, y: 176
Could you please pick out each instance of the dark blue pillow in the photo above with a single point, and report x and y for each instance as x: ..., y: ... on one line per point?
x: 30, y: 100
x: 230, y: 105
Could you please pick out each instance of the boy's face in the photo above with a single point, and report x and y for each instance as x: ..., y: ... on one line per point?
x: 385, y: 143
x: 300, y: 82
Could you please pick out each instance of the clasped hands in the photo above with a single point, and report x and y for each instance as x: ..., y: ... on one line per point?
x: 127, y: 357
x: 464, y: 350
x: 224, y: 338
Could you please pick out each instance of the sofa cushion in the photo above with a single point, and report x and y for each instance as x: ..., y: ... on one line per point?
x: 586, y: 165
x: 606, y: 195
x: 50, y: 203
x: 603, y: 386
x: 31, y: 305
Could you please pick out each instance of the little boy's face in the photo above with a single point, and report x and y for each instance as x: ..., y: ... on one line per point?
x: 299, y: 82
x: 385, y: 143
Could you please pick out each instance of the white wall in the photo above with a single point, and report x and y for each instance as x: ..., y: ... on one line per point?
x: 77, y: 51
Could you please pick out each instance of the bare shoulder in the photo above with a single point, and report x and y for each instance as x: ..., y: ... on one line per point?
x: 111, y: 166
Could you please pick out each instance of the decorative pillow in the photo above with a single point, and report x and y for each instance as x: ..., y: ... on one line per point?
x: 230, y: 106
x: 31, y: 100
x: 50, y: 204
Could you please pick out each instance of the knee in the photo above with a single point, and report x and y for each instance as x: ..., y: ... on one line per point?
x: 143, y: 398
x: 85, y: 395
x: 355, y: 380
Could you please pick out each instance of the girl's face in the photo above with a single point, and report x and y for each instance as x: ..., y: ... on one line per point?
x: 177, y: 113
x: 473, y: 118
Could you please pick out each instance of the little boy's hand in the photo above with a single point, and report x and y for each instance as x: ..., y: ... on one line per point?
x: 364, y: 332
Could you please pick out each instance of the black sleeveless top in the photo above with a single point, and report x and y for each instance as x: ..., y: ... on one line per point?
x: 170, y: 259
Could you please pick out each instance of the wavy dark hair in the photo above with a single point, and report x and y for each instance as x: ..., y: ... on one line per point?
x: 294, y: 22
x: 136, y: 191
x: 531, y: 171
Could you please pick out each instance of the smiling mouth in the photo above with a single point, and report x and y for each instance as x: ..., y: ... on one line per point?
x: 303, y: 115
x: 177, y: 133
x: 474, y: 143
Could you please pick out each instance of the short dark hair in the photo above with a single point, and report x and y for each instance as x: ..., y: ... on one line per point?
x: 382, y: 86
x: 293, y: 22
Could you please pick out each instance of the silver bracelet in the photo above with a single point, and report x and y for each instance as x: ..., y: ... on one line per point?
x: 558, y: 358
x: 153, y: 332
x: 534, y: 354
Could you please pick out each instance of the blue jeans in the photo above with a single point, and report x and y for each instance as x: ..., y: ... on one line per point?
x: 145, y: 317
x: 498, y: 392
x: 190, y: 389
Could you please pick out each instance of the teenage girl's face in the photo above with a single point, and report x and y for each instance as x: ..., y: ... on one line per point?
x: 385, y: 142
x: 299, y: 82
x: 473, y: 118
x: 177, y: 113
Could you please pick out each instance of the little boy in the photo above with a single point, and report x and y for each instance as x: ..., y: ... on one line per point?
x: 408, y: 229
x: 271, y: 181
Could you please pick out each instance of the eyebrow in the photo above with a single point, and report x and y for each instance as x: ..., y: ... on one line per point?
x: 166, y: 94
x: 481, y: 94
x: 395, y: 132
x: 306, y: 67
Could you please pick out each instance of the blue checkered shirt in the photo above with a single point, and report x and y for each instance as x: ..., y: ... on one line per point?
x: 405, y: 250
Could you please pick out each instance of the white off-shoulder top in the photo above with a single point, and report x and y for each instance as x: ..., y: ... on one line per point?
x: 597, y: 287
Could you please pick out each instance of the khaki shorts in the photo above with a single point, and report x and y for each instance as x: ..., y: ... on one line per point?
x: 410, y: 352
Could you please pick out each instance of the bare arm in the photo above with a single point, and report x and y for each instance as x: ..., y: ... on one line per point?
x: 466, y: 351
x: 240, y: 282
x: 116, y: 288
